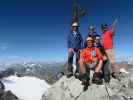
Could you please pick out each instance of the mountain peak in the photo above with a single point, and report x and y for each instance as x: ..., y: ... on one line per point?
x: 71, y: 89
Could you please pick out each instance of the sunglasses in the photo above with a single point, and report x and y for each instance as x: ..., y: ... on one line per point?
x: 90, y: 41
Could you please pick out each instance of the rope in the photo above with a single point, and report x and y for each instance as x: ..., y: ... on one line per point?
x: 107, y: 91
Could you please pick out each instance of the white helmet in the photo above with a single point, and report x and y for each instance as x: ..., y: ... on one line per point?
x: 89, y: 39
x: 75, y: 24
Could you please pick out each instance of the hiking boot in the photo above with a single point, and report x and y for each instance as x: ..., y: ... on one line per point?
x: 116, y: 76
x: 69, y: 74
x: 107, y: 78
x: 86, y: 84
x: 85, y: 81
x: 78, y: 76
x: 97, y: 79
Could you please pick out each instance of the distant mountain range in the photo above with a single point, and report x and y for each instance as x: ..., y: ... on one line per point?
x: 46, y: 71
x: 43, y: 70
x: 128, y: 60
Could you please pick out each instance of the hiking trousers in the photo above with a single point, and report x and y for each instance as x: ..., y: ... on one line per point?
x: 70, y: 60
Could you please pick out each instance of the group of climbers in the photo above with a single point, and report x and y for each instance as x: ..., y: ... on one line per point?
x: 92, y: 53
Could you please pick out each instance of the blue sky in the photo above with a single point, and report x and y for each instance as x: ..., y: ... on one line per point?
x: 37, y: 29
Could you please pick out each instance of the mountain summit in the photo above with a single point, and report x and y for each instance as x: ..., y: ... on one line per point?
x: 71, y: 89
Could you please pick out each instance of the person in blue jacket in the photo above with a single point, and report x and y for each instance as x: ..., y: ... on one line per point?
x: 75, y: 43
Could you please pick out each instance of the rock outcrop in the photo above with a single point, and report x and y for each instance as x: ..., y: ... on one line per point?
x: 71, y: 89
x: 6, y: 95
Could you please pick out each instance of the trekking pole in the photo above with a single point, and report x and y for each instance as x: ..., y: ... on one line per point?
x: 107, y: 91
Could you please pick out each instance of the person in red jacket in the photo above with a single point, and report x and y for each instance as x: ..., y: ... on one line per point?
x: 107, y: 39
x: 90, y: 58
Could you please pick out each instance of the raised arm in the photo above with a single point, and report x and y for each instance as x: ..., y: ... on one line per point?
x: 113, y: 29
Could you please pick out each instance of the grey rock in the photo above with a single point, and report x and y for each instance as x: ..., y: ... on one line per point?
x: 8, y: 95
x: 72, y: 89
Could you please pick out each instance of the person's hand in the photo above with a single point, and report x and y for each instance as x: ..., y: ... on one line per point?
x: 95, y: 59
x: 114, y: 26
x: 115, y: 21
x: 70, y: 50
x: 81, y: 50
x: 104, y: 57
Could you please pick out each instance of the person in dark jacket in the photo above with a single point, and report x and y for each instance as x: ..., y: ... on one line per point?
x: 75, y: 43
x: 98, y: 44
x: 106, y: 62
x: 92, y: 33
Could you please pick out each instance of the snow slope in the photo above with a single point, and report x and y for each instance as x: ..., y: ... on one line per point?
x: 26, y: 88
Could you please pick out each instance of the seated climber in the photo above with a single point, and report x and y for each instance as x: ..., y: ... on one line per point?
x: 106, y: 62
x: 90, y: 57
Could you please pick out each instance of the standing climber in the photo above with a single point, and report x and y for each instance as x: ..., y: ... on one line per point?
x: 107, y: 39
x: 75, y: 43
x: 92, y: 33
